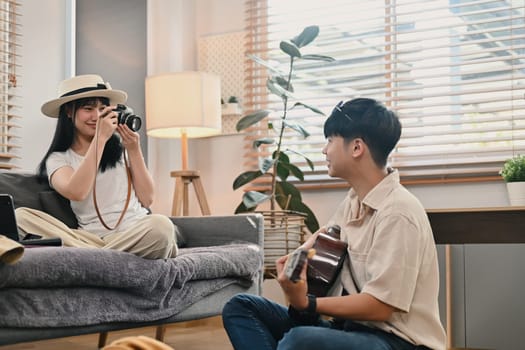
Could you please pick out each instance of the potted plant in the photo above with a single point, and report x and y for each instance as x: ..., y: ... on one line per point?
x: 233, y: 99
x: 231, y: 113
x: 513, y: 173
x: 231, y: 107
x: 279, y: 167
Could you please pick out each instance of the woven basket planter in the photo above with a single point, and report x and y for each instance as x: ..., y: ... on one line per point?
x: 283, y: 233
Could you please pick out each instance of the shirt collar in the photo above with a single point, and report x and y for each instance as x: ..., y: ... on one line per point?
x: 374, y: 198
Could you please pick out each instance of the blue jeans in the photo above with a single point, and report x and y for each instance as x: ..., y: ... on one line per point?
x: 255, y: 323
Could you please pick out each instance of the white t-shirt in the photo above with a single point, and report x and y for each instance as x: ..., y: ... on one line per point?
x: 392, y: 256
x: 112, y: 189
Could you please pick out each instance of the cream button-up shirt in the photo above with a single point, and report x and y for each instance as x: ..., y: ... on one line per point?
x: 392, y: 256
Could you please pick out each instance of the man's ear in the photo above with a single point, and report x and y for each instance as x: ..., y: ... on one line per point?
x: 358, y: 146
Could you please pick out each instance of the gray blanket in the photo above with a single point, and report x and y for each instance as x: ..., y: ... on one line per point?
x: 54, y: 287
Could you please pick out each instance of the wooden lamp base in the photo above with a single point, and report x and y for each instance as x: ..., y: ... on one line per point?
x: 183, y: 179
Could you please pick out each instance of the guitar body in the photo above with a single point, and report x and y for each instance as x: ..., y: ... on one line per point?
x: 323, y: 266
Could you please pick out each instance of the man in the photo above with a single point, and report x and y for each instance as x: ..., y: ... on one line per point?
x: 387, y: 292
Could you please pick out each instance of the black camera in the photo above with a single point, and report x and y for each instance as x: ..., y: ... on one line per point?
x: 125, y: 116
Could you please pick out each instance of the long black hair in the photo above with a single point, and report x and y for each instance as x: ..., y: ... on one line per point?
x: 65, y: 135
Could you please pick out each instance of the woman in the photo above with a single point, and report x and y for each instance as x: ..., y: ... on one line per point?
x: 87, y: 163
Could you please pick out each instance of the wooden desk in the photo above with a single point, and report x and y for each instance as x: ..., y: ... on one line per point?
x: 478, y: 225
x: 473, y: 225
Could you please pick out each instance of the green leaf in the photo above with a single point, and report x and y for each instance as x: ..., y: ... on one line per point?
x: 266, y: 164
x: 285, y: 190
x: 311, y: 222
x: 290, y: 49
x: 298, y: 173
x: 297, y: 128
x: 318, y: 58
x: 241, y: 208
x: 263, y: 141
x: 253, y: 198
x: 245, y: 178
x: 283, y: 157
x: 313, y: 109
x: 307, y: 36
x: 514, y: 169
x: 277, y: 89
x: 283, y: 83
x: 310, y: 163
x: 251, y: 119
x: 265, y: 64
x: 282, y: 171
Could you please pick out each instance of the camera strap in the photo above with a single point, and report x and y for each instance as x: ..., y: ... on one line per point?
x: 128, y: 173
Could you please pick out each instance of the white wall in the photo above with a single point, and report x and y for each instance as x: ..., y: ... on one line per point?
x: 43, y: 64
x: 172, y: 47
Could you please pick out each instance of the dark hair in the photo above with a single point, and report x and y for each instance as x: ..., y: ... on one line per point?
x: 369, y: 120
x: 65, y: 135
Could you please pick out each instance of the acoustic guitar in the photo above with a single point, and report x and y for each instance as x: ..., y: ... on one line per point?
x: 325, y: 260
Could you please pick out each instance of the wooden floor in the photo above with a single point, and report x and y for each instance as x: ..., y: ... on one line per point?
x: 198, y: 335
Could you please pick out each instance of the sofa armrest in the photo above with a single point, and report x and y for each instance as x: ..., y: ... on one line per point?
x: 202, y: 231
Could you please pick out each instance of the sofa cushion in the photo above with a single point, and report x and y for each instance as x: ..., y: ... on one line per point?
x: 23, y: 187
x: 58, y: 206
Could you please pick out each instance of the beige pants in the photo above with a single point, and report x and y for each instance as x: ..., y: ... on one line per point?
x: 152, y: 237
x: 10, y: 251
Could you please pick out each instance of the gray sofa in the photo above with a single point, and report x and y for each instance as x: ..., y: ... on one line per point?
x: 56, y: 292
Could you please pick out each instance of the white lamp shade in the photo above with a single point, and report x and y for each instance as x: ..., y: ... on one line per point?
x: 180, y: 102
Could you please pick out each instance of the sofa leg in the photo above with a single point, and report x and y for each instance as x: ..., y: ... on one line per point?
x: 102, y: 339
x: 160, y: 332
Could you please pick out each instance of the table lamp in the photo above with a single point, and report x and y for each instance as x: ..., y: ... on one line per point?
x: 184, y: 105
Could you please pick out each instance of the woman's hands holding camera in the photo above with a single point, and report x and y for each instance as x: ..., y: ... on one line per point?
x: 130, y: 138
x: 107, y: 123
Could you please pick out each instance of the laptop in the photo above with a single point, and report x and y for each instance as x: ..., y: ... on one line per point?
x: 9, y: 228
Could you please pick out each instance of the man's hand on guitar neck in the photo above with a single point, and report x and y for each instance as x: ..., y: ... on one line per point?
x: 295, y: 292
x: 292, y: 271
x: 297, y: 257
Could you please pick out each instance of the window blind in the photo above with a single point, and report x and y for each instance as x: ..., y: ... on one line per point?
x: 9, y: 37
x: 453, y: 70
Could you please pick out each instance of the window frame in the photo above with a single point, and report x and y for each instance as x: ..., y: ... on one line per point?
x: 259, y: 42
x: 9, y: 75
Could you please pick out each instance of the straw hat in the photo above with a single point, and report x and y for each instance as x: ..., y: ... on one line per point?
x: 81, y: 86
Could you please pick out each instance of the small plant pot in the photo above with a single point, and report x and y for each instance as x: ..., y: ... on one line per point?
x: 516, y: 191
x: 231, y: 113
x: 231, y: 109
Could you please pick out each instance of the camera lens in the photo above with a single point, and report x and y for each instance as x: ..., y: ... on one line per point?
x: 133, y: 122
x: 126, y: 116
